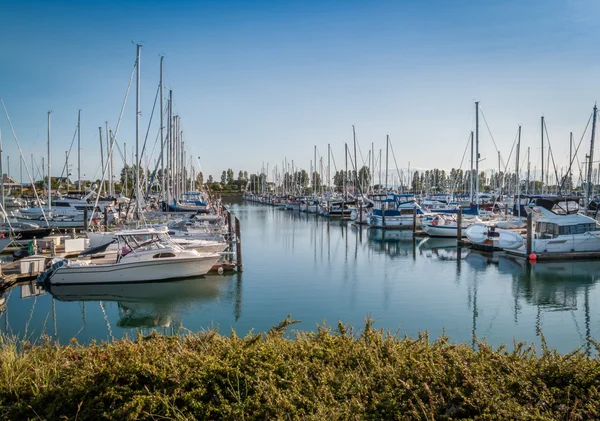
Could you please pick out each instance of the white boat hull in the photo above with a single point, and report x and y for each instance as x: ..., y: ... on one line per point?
x: 138, y: 271
x: 498, y: 238
x: 441, y: 230
x: 589, y: 241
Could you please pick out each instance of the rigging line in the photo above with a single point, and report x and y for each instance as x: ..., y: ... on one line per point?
x: 511, y: 150
x: 462, y: 160
x: 69, y: 153
x: 149, y: 124
x: 574, y: 157
x: 489, y: 131
x: 552, y: 156
x: 396, y: 164
x: 114, y: 140
x: 24, y: 162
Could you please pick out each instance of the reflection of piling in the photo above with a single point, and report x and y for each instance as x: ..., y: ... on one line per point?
x: 238, y: 244
x: 529, y: 233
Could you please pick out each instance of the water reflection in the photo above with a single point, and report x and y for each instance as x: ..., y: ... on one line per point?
x: 145, y: 305
x: 394, y: 243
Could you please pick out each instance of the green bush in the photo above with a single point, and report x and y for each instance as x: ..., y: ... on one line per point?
x: 323, y: 375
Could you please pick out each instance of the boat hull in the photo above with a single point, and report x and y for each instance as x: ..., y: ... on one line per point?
x: 144, y: 271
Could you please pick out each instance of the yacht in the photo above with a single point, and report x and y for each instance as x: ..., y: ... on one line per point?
x: 143, y: 255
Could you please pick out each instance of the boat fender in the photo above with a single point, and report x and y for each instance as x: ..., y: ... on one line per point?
x: 532, y: 257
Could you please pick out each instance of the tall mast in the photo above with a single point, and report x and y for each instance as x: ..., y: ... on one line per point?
x: 101, y: 157
x: 112, y: 167
x: 137, y: 133
x: 329, y: 166
x: 66, y: 166
x: 372, y: 184
x: 78, y: 151
x: 528, y: 171
x: 356, y: 182
x: 476, y: 152
x: 570, y: 160
x: 379, y: 189
x: 162, y: 134
x: 1, y: 172
x: 49, y: 162
x: 471, y: 172
x: 591, y: 157
x: 315, y: 173
x: 517, y: 175
x: 542, y: 130
x: 387, y: 148
x: 170, y: 143
x: 346, y: 172
x: 109, y: 189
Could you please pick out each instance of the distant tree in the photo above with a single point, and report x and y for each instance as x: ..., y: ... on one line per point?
x: 230, y: 178
x: 364, y: 177
x: 210, y: 179
x: 224, y: 178
x: 199, y: 180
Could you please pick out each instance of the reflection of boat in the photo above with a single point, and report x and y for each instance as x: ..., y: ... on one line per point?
x: 437, y: 243
x: 190, y: 289
x: 478, y: 261
x: 379, y: 235
x: 148, y: 305
x: 393, y: 243
x: 554, y: 285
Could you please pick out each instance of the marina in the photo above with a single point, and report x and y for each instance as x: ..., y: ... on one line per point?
x: 322, y: 270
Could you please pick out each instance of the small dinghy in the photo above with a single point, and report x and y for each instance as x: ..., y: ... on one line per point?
x: 492, y: 236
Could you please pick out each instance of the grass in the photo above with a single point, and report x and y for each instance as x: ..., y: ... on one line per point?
x: 331, y: 374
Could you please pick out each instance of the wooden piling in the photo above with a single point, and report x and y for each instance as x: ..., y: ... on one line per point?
x: 85, y: 218
x: 459, y: 225
x: 529, y: 233
x: 414, y: 220
x: 238, y: 245
x: 106, y: 218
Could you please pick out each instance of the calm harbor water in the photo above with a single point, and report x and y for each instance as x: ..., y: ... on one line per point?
x: 324, y: 271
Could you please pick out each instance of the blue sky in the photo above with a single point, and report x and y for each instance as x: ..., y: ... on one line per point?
x: 258, y: 81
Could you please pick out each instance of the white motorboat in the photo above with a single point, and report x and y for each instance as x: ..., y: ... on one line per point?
x: 442, y: 226
x: 154, y: 259
x: 494, y: 237
x: 559, y: 228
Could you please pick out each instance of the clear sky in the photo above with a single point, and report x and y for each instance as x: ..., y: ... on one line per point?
x: 259, y: 81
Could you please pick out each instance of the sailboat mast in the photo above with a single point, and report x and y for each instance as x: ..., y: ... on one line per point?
x: 315, y: 173
x: 356, y: 182
x: 101, y: 157
x: 542, y: 130
x: 2, y: 172
x: 387, y: 148
x: 329, y: 166
x: 137, y: 133
x: 49, y: 162
x: 78, y: 151
x: 570, y: 159
x: 591, y: 157
x: 476, y: 152
x: 517, y: 175
x: 346, y: 172
x: 112, y: 168
x: 162, y: 133
x: 471, y: 172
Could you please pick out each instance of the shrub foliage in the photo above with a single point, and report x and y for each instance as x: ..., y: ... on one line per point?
x: 330, y: 374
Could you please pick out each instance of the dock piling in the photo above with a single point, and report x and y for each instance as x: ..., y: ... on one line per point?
x: 238, y: 245
x: 414, y: 221
x: 459, y: 226
x: 529, y: 233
